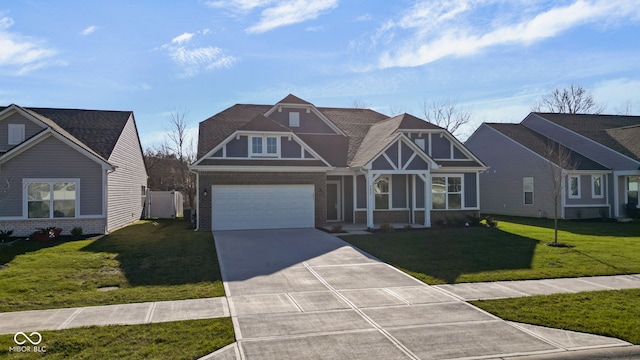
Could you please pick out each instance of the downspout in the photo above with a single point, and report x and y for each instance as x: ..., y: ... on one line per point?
x: 197, y: 199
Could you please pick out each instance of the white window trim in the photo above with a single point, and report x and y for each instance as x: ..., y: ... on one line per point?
x: 524, y: 192
x: 593, y: 187
x: 294, y: 119
x: 11, y: 129
x: 264, y: 153
x: 421, y: 143
x: 51, y: 181
x: 571, y: 196
x: 446, y: 197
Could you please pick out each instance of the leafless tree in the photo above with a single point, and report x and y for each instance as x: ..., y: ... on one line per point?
x: 359, y: 104
x: 570, y: 100
x: 560, y: 160
x: 167, y: 164
x: 446, y: 114
x: 626, y: 107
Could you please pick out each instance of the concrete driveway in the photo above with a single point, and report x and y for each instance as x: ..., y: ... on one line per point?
x: 305, y: 294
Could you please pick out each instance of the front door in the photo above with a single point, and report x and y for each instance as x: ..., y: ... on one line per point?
x: 333, y: 201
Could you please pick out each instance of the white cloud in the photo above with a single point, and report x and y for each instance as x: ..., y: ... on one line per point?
x: 182, y: 38
x: 21, y: 54
x: 618, y: 93
x: 277, y: 13
x: 364, y: 17
x: 89, y: 30
x: 290, y: 12
x: 446, y: 28
x: 193, y: 59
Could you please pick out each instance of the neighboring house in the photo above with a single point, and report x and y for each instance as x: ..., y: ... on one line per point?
x: 69, y: 168
x: 601, y: 179
x: 293, y: 165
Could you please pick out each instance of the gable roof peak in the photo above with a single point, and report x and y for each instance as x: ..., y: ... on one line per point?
x: 263, y: 123
x: 292, y: 99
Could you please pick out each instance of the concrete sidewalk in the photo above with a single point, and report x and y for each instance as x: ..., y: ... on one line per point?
x: 520, y: 288
x: 122, y: 314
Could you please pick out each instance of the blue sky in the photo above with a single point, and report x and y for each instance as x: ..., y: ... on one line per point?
x: 494, y: 58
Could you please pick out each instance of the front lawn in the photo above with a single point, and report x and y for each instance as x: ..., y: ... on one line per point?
x: 171, y: 340
x: 515, y: 250
x: 609, y: 313
x: 147, y: 261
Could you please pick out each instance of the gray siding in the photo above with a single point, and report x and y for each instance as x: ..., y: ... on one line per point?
x: 399, y: 191
x: 361, y: 191
x: 586, y: 197
x: 392, y: 153
x: 441, y: 148
x: 419, y: 193
x: 238, y: 147
x: 380, y: 163
x: 501, y: 188
x: 584, y: 146
x: 415, y: 136
x: 124, y: 184
x: 290, y: 148
x: 457, y: 153
x: 470, y: 190
x: 418, y: 164
x: 309, y: 122
x: 348, y: 198
x: 30, y: 129
x: 51, y: 158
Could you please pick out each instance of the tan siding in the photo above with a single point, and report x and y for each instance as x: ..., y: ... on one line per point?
x: 51, y: 158
x: 124, y: 202
x: 30, y: 129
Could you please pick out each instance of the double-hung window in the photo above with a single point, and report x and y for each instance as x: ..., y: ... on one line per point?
x: 16, y: 133
x: 446, y: 192
x: 596, y: 187
x: 381, y: 189
x: 574, y: 187
x: 51, y: 198
x: 527, y: 189
x: 265, y: 146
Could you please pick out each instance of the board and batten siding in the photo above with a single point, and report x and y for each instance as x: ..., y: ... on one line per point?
x: 501, y: 187
x: 584, y: 146
x: 124, y: 184
x: 30, y: 129
x: 51, y: 159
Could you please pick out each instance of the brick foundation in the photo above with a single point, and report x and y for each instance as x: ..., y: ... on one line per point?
x: 28, y: 227
x: 207, y: 179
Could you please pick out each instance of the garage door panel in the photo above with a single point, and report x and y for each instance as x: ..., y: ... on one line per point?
x: 237, y: 207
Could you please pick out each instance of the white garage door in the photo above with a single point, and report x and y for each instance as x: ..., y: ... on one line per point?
x: 239, y: 207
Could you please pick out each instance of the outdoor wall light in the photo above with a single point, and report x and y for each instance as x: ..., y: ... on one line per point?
x: 204, y: 193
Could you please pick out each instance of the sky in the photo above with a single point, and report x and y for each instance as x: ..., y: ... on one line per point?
x: 492, y: 58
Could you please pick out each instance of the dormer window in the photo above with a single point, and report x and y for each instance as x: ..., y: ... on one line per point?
x: 265, y: 146
x: 16, y: 134
x: 294, y: 119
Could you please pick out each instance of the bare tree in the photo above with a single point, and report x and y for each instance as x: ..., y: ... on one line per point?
x: 560, y: 160
x: 359, y: 104
x: 570, y: 100
x: 446, y: 114
x: 626, y: 107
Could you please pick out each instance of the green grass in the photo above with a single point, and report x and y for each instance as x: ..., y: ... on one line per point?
x: 149, y: 261
x: 172, y: 340
x: 609, y: 313
x: 515, y: 250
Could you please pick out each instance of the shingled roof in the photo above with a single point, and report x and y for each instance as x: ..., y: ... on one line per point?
x: 539, y: 144
x: 367, y: 131
x: 601, y: 129
x: 97, y: 130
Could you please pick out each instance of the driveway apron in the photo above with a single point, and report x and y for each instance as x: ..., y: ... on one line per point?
x: 306, y: 294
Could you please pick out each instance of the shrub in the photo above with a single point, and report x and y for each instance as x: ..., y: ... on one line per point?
x: 336, y: 229
x: 386, y: 227
x: 76, y: 231
x: 5, y: 235
x: 408, y: 227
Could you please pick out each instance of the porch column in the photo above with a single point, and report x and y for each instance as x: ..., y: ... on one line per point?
x: 371, y: 200
x: 427, y: 200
